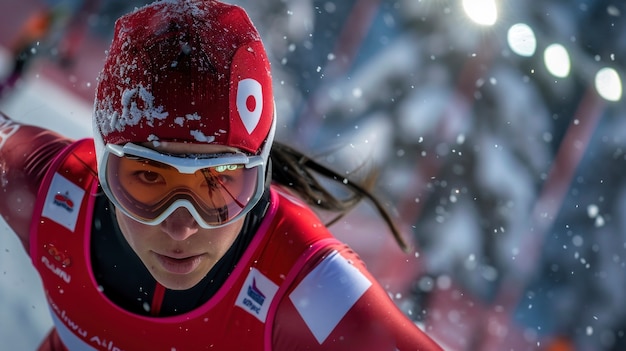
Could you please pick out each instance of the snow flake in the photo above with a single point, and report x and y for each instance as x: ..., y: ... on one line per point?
x: 109, y: 120
x: 180, y: 121
x: 199, y: 136
x: 193, y: 117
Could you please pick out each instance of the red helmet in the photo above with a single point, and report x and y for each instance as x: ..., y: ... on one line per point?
x: 191, y: 71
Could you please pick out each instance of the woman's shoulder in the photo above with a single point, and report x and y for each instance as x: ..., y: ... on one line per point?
x: 292, y: 212
x: 290, y: 202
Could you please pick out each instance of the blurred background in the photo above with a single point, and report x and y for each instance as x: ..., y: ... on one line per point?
x: 497, y: 127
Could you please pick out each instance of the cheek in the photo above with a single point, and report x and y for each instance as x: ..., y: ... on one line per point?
x: 225, y: 236
x: 131, y: 229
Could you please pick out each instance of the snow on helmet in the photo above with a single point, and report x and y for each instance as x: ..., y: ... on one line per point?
x: 191, y: 71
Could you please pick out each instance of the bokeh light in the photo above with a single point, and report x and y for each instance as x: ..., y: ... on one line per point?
x: 483, y: 12
x: 608, y: 84
x: 522, y: 40
x: 557, y: 60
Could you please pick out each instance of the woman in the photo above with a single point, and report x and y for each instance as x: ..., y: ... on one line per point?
x: 166, y: 231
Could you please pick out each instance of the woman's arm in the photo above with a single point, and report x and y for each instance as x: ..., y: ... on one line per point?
x: 336, y: 304
x: 25, y: 155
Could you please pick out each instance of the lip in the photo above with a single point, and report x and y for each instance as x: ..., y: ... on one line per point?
x: 183, y: 265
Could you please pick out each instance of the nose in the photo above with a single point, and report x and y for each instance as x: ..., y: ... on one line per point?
x: 180, y: 225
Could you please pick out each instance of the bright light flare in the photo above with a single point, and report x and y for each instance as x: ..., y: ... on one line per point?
x: 522, y: 40
x: 609, y: 84
x: 556, y: 58
x: 483, y: 12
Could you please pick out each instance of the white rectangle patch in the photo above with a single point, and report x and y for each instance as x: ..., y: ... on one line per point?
x: 327, y: 293
x: 257, y: 294
x: 63, y: 202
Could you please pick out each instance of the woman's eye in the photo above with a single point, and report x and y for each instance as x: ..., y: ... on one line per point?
x: 225, y: 178
x: 148, y: 177
x: 217, y: 180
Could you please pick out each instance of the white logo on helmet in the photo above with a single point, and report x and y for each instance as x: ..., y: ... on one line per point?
x: 250, y: 103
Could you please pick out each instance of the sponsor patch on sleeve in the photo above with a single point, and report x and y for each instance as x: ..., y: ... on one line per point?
x: 63, y: 202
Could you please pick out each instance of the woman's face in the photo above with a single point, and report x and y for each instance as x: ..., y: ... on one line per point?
x: 178, y: 252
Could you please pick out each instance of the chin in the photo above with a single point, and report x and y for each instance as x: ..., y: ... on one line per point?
x: 177, y: 282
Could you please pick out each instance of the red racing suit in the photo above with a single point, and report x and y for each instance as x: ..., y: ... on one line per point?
x: 294, y: 288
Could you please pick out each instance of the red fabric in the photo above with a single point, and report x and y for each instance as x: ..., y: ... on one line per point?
x: 52, y: 342
x: 157, y: 299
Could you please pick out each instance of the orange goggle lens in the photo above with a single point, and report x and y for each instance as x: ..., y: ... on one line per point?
x: 148, y: 185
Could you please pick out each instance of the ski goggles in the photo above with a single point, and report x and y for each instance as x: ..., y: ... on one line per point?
x: 148, y: 185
